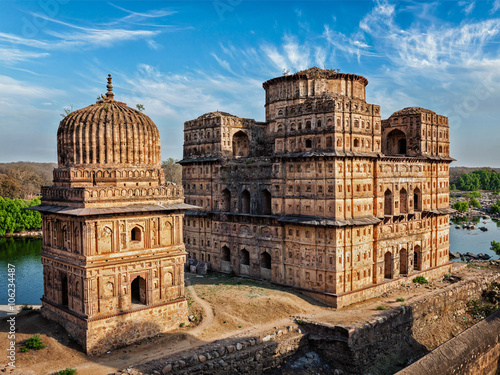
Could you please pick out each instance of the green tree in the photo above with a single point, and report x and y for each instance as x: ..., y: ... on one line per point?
x: 14, y: 217
x: 460, y: 206
x: 453, y: 187
x: 173, y: 171
x: 475, y: 203
x: 495, y: 209
x: 495, y: 246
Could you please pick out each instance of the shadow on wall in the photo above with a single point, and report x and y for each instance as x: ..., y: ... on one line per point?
x: 385, y: 345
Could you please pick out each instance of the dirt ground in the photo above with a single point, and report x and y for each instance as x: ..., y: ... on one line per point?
x: 220, y: 307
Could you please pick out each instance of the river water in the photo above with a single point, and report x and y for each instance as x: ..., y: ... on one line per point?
x: 24, y: 253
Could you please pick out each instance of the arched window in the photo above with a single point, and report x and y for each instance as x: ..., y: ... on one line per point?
x: 396, y: 143
x: 226, y: 200
x: 308, y: 143
x: 240, y: 144
x: 226, y: 254
x: 136, y: 234
x: 403, y: 262
x: 138, y: 291
x: 403, y: 200
x: 266, y: 200
x: 265, y: 260
x: 244, y: 257
x: 388, y: 202
x: 245, y: 202
x: 64, y: 291
x: 329, y: 142
x: 308, y: 125
x: 388, y: 265
x: 356, y: 142
x: 417, y: 199
x: 417, y: 258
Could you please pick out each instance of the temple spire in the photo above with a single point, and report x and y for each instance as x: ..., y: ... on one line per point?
x: 110, y: 94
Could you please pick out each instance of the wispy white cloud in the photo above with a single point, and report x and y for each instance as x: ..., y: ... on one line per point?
x: 69, y: 35
x: 467, y: 6
x: 495, y: 7
x: 155, y: 13
x: 14, y: 55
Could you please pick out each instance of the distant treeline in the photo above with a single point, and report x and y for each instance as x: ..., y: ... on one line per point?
x: 14, y: 218
x: 480, y: 179
x: 24, y: 179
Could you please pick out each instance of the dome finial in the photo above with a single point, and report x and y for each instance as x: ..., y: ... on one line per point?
x: 110, y: 94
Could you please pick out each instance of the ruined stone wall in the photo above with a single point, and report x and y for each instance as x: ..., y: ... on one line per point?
x: 118, y: 329
x: 382, y: 345
x: 246, y: 355
x: 473, y: 352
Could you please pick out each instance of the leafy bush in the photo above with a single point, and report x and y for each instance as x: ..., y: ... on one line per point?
x: 381, y: 307
x: 495, y: 246
x: 67, y: 371
x: 420, y: 280
x: 400, y: 299
x: 460, y: 206
x: 34, y: 342
x: 475, y: 203
x: 495, y: 209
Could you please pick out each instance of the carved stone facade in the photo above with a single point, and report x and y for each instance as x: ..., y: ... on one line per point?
x: 324, y: 196
x: 113, y: 253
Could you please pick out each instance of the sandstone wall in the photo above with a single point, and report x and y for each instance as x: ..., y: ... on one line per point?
x: 475, y: 352
x: 116, y: 330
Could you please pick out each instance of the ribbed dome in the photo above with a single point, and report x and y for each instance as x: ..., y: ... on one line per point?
x: 109, y: 134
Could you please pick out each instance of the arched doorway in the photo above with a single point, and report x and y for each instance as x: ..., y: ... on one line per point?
x: 226, y: 254
x: 417, y: 258
x: 226, y: 259
x: 417, y: 199
x: 396, y: 143
x: 266, y: 202
x: 265, y: 265
x: 403, y: 201
x: 245, y: 202
x: 240, y: 144
x: 138, y: 291
x: 388, y: 202
x: 403, y: 262
x: 244, y: 262
x: 388, y: 265
x: 226, y: 200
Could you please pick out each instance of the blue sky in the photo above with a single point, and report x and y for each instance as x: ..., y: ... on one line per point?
x: 183, y: 59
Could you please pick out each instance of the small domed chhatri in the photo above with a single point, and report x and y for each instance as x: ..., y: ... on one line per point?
x: 113, y: 254
x: 105, y: 136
